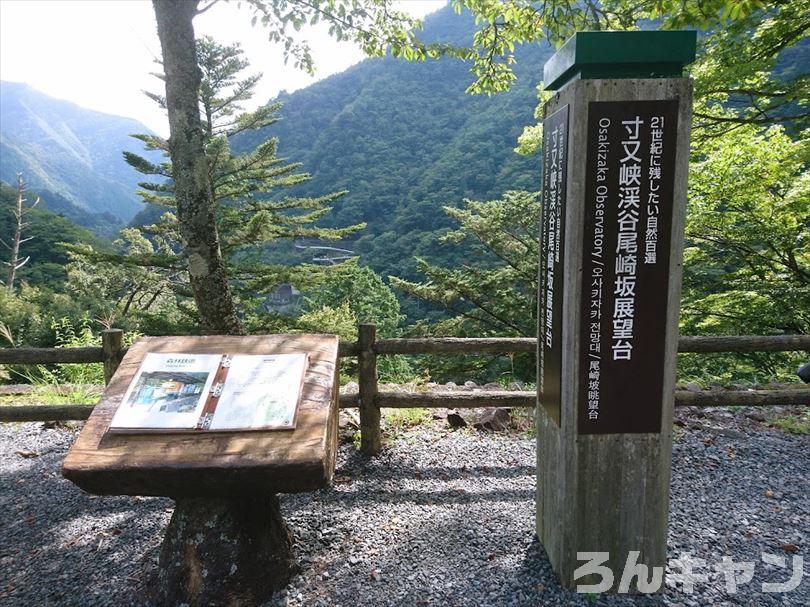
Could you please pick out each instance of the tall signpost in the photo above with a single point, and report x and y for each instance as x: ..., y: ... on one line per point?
x: 615, y: 159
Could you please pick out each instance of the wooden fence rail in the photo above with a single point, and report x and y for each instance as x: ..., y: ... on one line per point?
x: 455, y: 400
x: 110, y: 353
x: 435, y: 345
x: 47, y: 356
x: 370, y: 399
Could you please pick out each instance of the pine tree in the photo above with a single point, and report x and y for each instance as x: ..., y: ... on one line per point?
x: 495, y: 291
x: 249, y: 214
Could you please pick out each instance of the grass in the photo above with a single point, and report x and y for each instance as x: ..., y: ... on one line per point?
x: 395, y: 420
x: 795, y: 423
x: 55, y: 394
x: 523, y: 421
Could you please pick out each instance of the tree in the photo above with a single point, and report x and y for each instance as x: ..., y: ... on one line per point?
x: 45, y: 232
x: 495, y: 291
x: 735, y: 73
x: 504, y: 24
x: 350, y: 294
x: 747, y: 257
x: 249, y: 217
x: 373, y: 24
x: 747, y: 260
x: 19, y: 212
x: 492, y: 293
x: 195, y: 200
x: 377, y: 28
x: 740, y: 75
x: 128, y: 291
x: 362, y: 292
x: 746, y: 264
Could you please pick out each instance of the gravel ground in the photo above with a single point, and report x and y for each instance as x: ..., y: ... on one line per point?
x: 441, y: 518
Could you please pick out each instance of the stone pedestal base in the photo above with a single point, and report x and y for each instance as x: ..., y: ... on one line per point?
x: 221, y: 551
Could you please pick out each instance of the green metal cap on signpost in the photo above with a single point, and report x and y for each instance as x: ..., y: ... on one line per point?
x: 637, y: 54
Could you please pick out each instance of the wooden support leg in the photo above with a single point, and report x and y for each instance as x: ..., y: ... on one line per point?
x: 220, y: 551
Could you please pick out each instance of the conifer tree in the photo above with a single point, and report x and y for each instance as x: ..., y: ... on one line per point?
x: 249, y: 214
x: 495, y: 292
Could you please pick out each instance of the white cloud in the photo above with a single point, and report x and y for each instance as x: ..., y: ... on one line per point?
x: 99, y: 53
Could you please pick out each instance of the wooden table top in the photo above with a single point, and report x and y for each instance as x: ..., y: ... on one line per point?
x: 219, y: 463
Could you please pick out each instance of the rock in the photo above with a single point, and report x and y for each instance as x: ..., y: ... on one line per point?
x: 493, y: 419
x: 492, y: 386
x: 693, y: 387
x: 729, y: 432
x: 451, y: 384
x: 804, y: 372
x: 756, y: 416
x: 440, y: 414
x: 455, y: 420
x: 515, y: 385
x: 347, y: 420
x: 470, y: 384
x: 350, y: 387
x: 56, y: 424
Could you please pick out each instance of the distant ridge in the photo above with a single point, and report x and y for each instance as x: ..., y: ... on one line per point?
x: 70, y: 151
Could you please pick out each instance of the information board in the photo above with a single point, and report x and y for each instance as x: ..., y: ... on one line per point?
x: 629, y: 187
x: 550, y: 278
x: 184, y: 391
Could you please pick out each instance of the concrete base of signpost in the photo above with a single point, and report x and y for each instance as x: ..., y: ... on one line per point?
x: 607, y: 493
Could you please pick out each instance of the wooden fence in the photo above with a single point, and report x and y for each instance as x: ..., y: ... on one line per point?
x: 370, y: 399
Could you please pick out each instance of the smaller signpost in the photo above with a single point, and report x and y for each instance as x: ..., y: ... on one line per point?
x: 615, y: 157
x: 227, y: 542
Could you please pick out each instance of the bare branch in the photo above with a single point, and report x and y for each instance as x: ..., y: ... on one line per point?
x: 205, y: 8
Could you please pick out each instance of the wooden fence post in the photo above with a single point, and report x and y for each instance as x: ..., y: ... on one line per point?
x: 370, y: 442
x: 112, y: 343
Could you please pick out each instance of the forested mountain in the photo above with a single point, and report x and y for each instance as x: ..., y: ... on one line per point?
x: 71, y: 152
x: 405, y: 139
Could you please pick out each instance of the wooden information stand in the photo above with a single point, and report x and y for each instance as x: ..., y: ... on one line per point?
x: 227, y: 522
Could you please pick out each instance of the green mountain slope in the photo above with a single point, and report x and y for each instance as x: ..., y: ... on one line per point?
x: 405, y: 139
x: 70, y: 151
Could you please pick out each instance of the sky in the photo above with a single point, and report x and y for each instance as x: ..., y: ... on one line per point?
x: 99, y: 53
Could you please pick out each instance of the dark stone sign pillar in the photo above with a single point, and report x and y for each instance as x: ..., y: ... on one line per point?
x: 615, y: 158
